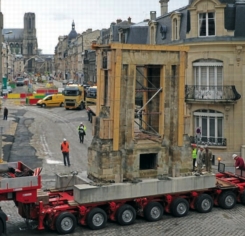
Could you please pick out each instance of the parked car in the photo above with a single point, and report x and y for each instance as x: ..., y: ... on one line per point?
x: 9, y: 88
x: 19, y: 81
x: 4, y: 92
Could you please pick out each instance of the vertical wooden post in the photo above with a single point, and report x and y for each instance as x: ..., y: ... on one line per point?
x: 117, y: 101
x: 181, y: 97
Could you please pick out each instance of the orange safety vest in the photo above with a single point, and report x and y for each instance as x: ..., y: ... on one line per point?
x: 65, y: 147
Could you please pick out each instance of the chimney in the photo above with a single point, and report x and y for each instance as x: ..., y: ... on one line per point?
x: 164, y: 6
x: 153, y: 15
x: 129, y: 20
x: 119, y: 21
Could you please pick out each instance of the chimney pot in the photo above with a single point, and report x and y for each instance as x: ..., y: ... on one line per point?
x: 153, y: 15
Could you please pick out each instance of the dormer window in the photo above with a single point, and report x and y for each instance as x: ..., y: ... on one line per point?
x: 206, y: 24
x: 176, y: 20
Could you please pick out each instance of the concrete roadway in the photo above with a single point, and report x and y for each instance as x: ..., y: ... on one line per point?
x: 38, y: 135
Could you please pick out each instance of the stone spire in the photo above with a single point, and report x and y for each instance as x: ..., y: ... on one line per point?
x: 164, y: 6
x: 73, y: 25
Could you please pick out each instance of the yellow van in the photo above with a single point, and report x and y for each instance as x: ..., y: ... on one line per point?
x: 53, y: 100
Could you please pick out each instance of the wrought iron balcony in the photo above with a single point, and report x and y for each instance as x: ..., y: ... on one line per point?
x: 210, y: 141
x: 219, y: 93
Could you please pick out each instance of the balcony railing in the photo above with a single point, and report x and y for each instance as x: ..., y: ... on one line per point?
x: 199, y: 92
x: 210, y: 141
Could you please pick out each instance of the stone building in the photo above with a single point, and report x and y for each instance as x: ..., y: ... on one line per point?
x: 213, y: 30
x: 69, y: 54
x: 23, y: 41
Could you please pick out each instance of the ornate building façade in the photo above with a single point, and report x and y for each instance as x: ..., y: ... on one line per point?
x: 23, y: 41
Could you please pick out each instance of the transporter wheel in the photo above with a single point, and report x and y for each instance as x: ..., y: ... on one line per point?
x: 227, y: 200
x: 65, y: 223
x: 179, y: 207
x: 204, y: 203
x: 96, y: 219
x: 153, y: 211
x: 126, y: 215
x: 43, y: 105
x: 62, y: 104
x: 242, y: 197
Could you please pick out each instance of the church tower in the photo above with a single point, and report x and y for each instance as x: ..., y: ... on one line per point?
x: 30, y: 46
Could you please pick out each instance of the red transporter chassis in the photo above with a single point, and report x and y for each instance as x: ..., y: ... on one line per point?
x: 60, y: 212
x: 20, y: 184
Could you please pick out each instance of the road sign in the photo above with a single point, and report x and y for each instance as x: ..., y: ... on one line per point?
x: 4, y: 83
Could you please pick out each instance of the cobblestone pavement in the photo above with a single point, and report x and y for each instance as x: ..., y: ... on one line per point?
x: 34, y: 134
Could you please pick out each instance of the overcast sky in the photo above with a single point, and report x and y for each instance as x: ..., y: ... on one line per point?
x: 54, y: 17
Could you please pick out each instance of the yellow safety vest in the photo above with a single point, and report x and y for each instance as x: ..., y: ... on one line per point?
x: 194, y: 153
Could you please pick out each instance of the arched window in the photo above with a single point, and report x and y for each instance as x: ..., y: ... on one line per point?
x: 175, y: 29
x: 208, y: 77
x: 152, y: 35
x: 210, y: 123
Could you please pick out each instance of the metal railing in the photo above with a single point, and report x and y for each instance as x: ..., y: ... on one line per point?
x: 199, y: 92
x: 210, y: 141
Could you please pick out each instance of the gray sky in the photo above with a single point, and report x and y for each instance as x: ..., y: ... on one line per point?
x: 54, y: 17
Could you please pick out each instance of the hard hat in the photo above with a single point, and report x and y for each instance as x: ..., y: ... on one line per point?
x: 201, y: 147
x: 206, y: 146
x: 81, y: 123
x: 64, y: 139
x: 234, y: 156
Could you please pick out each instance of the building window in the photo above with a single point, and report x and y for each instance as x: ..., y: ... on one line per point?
x: 208, y: 76
x: 210, y: 124
x: 176, y: 20
x: 175, y: 29
x: 206, y: 24
x: 152, y: 35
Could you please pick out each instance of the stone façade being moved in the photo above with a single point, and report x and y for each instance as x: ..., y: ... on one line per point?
x: 138, y: 130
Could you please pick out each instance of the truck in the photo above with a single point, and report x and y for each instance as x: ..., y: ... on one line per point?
x: 74, y: 96
x: 91, y: 204
x: 91, y: 96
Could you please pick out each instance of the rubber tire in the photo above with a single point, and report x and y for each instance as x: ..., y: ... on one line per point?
x: 223, y: 197
x: 59, y: 219
x: 62, y: 104
x: 175, y: 204
x: 200, y: 201
x: 43, y: 105
x: 148, y: 211
x: 90, y: 216
x: 121, y: 210
x: 242, y: 197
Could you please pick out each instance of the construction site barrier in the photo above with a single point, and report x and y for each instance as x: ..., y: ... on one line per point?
x: 32, y: 101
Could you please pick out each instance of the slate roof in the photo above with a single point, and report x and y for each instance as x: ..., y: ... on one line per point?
x: 138, y: 33
x: 234, y: 20
x: 16, y: 34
